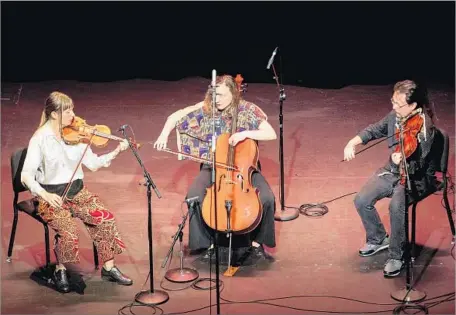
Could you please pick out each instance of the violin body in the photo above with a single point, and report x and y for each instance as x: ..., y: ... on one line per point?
x: 412, y: 127
x: 234, y: 186
x: 80, y: 132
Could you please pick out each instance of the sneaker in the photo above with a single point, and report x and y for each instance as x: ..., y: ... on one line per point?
x: 393, y: 268
x: 371, y: 249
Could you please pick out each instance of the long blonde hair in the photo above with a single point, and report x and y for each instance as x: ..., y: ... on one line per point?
x: 55, y: 102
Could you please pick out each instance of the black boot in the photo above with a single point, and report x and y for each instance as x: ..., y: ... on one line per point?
x: 115, y: 275
x: 60, y: 279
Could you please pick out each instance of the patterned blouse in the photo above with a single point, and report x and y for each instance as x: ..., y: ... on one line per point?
x: 195, y: 129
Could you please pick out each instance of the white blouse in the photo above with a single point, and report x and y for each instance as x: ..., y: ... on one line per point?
x: 51, y: 161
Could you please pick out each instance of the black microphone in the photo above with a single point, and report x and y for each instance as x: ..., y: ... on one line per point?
x: 271, y: 60
x: 122, y: 127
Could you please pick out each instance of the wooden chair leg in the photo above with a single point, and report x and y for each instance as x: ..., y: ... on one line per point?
x: 95, y: 256
x: 12, y: 236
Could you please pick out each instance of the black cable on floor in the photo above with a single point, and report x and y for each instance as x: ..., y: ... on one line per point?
x: 317, y: 209
x: 399, y: 306
x: 130, y: 306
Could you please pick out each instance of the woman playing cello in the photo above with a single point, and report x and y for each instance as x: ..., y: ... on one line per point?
x: 194, y: 128
x: 47, y: 170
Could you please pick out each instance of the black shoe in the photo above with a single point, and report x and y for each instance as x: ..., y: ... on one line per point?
x: 114, y: 275
x: 209, y: 254
x: 61, y: 281
x: 258, y: 252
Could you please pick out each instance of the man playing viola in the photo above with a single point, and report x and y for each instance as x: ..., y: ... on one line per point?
x: 408, y: 99
x: 194, y: 129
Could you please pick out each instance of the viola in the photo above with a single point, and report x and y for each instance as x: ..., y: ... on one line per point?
x: 81, y: 132
x: 411, y: 126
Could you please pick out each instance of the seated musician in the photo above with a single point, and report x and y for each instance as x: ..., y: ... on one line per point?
x: 251, y: 123
x: 48, y: 167
x: 408, y: 98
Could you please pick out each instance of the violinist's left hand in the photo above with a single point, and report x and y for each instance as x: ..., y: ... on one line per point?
x: 123, y: 145
x: 396, y: 158
x: 237, y: 137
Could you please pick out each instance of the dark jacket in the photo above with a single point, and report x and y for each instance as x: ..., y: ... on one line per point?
x: 421, y: 164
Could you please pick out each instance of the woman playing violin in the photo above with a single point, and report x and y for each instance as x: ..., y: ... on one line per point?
x: 48, y: 167
x: 196, y: 121
x: 408, y: 100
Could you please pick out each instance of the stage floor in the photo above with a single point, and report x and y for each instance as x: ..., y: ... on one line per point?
x: 316, y: 263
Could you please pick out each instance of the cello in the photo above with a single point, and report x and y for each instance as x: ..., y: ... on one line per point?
x: 231, y: 204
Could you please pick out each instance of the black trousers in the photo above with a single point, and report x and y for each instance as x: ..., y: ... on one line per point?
x: 200, y: 234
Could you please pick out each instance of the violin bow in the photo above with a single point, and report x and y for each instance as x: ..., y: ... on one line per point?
x: 198, y: 159
x: 67, y: 188
x: 374, y: 144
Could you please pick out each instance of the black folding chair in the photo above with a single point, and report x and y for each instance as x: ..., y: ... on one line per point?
x: 29, y: 206
x: 440, y: 151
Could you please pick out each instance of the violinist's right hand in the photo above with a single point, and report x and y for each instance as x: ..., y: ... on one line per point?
x: 53, y: 199
x: 349, y: 152
x: 161, y: 142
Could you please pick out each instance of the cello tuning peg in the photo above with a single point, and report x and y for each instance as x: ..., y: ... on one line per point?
x: 244, y: 87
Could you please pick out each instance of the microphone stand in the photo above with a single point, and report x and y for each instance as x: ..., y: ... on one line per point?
x: 285, y: 214
x: 149, y: 297
x: 408, y: 293
x: 180, y: 274
x: 213, y: 183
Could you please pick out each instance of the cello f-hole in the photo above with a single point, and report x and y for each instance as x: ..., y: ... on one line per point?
x: 241, y: 180
x: 220, y: 182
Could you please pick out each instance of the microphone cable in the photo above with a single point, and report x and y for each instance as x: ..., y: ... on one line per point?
x: 317, y: 209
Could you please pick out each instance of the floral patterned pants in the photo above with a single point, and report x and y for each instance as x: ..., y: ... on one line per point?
x: 100, y: 224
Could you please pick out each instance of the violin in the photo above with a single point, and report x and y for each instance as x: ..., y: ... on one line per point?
x: 81, y: 132
x: 411, y: 127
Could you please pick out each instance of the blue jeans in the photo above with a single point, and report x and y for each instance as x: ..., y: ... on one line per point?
x: 377, y: 188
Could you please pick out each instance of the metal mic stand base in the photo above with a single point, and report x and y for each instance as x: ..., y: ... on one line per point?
x: 286, y: 214
x: 181, y: 275
x: 408, y: 295
x: 152, y: 298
